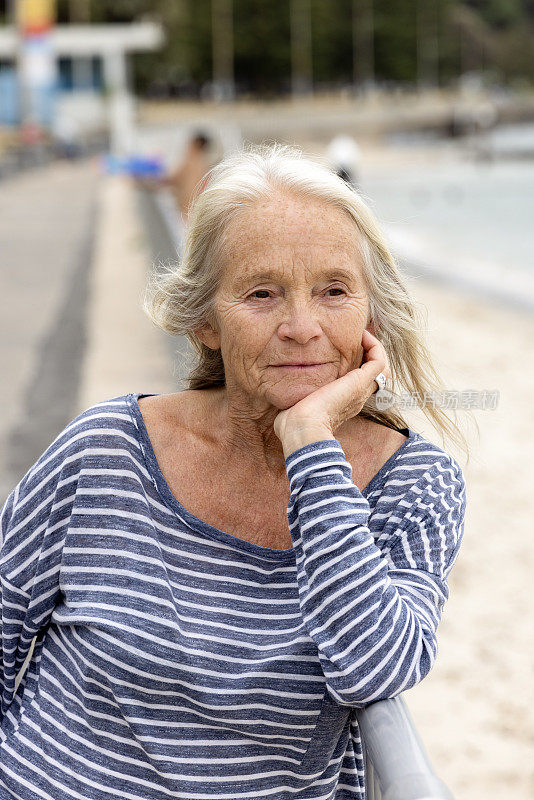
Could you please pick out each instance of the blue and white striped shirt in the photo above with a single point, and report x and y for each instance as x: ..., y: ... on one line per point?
x: 174, y: 660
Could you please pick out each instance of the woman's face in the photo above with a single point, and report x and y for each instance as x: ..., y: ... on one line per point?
x: 291, y: 290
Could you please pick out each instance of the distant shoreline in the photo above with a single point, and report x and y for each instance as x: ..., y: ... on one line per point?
x: 368, y: 117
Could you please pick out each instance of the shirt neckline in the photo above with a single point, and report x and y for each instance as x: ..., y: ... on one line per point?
x: 281, y: 554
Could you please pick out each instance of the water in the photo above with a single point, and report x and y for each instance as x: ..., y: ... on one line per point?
x: 469, y: 220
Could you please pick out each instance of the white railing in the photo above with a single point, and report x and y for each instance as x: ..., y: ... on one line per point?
x: 396, y: 764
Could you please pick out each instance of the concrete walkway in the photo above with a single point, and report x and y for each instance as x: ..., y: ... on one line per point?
x: 125, y: 351
x: 47, y: 219
x: 72, y: 332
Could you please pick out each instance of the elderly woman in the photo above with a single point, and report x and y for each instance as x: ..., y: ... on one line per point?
x: 217, y: 578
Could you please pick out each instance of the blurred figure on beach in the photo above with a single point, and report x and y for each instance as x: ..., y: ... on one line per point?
x: 187, y: 176
x: 190, y: 173
x: 344, y: 156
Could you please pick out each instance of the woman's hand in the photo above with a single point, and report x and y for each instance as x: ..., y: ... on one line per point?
x: 318, y: 415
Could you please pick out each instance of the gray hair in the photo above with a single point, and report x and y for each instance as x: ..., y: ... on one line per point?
x: 180, y: 298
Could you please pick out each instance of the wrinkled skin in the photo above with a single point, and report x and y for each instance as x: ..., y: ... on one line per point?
x: 306, y: 311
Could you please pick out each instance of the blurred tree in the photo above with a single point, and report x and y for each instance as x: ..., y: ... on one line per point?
x: 262, y: 45
x: 80, y: 11
x: 363, y: 43
x: 528, y: 8
x: 301, y: 46
x: 222, y: 39
x: 197, y: 53
x: 396, y: 41
x: 427, y: 36
x: 477, y: 41
x: 497, y: 13
x: 495, y: 36
x: 349, y: 38
x: 449, y: 51
x: 514, y: 52
x: 332, y: 41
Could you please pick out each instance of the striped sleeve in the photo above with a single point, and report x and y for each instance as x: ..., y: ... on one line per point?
x: 373, y: 614
x: 33, y: 524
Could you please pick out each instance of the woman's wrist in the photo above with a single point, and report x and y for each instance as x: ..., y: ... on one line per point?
x: 298, y: 437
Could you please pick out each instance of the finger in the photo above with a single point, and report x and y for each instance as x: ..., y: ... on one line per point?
x: 370, y: 343
x: 371, y: 369
x: 374, y: 350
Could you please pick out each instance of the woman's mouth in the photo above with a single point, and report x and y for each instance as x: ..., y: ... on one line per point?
x: 299, y: 366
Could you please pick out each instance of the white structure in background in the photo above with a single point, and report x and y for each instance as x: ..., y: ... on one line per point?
x: 111, y: 44
x: 344, y: 156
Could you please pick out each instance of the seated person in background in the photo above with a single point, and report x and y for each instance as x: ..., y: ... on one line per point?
x: 192, y: 170
x: 344, y: 157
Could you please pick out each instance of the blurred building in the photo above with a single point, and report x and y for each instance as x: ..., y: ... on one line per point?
x: 81, y: 75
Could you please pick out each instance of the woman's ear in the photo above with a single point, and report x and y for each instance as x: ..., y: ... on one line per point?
x: 209, y: 336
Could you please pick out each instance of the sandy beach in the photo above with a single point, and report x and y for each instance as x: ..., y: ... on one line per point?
x: 475, y: 711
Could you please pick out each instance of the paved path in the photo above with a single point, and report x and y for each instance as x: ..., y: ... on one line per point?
x: 47, y: 219
x: 74, y: 262
x: 125, y: 351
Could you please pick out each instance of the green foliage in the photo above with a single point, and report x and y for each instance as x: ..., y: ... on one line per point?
x: 262, y: 42
x: 332, y: 41
x: 396, y: 40
x: 498, y: 13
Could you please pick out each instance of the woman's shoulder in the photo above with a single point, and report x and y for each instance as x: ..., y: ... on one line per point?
x: 428, y: 481
x: 432, y: 458
x: 413, y: 467
x: 175, y: 406
x: 107, y: 419
x: 107, y: 424
x: 102, y: 434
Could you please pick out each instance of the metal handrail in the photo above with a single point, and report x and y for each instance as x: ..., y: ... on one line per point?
x: 397, y: 766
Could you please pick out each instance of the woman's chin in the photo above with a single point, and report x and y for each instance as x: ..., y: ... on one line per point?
x: 286, y: 397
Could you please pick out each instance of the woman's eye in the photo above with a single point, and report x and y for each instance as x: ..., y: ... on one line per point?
x: 266, y: 293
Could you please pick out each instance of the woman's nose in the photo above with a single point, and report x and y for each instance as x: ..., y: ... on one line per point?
x: 300, y: 323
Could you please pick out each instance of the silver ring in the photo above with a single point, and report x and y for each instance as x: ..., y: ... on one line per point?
x: 382, y: 381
